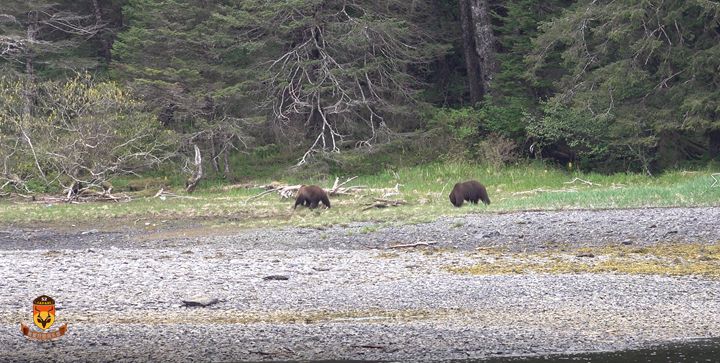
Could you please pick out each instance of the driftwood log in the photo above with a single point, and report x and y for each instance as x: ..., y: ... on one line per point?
x: 409, y: 245
x: 338, y: 188
x: 289, y: 191
x: 383, y: 203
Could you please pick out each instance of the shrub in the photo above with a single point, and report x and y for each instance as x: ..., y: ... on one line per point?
x: 497, y: 151
x: 78, y: 131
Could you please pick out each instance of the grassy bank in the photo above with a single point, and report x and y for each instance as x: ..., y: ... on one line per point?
x: 425, y: 188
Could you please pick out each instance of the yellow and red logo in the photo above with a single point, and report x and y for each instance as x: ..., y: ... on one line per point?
x: 44, y: 318
x: 44, y: 312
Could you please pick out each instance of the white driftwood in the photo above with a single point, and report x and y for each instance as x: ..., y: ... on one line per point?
x: 289, y: 191
x: 582, y: 181
x: 163, y: 194
x: 384, y: 203
x: 542, y: 190
x: 427, y: 244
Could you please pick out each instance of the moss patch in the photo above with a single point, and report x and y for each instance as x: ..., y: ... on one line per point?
x: 202, y: 316
x: 670, y: 259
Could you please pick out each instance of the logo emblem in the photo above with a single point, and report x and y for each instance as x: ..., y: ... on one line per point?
x: 44, y: 312
x: 44, y: 318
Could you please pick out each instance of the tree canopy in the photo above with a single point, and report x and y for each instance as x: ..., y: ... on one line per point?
x: 605, y: 85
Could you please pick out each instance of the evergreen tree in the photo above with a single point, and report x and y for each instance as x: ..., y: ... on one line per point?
x: 338, y: 68
x: 642, y: 73
x: 517, y: 23
x: 185, y: 59
x: 44, y: 38
x: 328, y: 68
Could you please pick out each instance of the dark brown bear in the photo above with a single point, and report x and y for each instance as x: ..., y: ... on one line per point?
x: 471, y: 191
x: 311, y: 196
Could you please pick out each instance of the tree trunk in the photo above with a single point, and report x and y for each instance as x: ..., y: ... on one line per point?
x: 714, y: 143
x: 29, y: 92
x: 193, y: 181
x: 471, y: 61
x: 214, y: 155
x: 104, y: 43
x: 226, y: 162
x: 484, y: 43
x: 479, y: 46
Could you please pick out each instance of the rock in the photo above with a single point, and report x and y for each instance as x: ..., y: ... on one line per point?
x: 276, y: 278
x: 201, y: 301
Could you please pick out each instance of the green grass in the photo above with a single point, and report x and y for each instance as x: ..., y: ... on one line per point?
x: 425, y: 188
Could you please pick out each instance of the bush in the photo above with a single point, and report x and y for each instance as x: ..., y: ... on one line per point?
x: 497, y: 151
x: 78, y: 131
x: 491, y: 133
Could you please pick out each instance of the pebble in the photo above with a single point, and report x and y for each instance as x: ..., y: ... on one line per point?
x: 121, y: 294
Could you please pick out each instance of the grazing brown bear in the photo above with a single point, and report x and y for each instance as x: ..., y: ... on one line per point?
x: 311, y: 196
x: 471, y: 191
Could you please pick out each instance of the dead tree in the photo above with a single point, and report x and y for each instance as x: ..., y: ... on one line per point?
x: 478, y: 46
x: 193, y: 181
x: 337, y: 75
x: 84, y: 133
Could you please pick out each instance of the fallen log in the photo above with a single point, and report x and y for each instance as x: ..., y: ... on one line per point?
x: 289, y: 191
x: 426, y: 244
x: 383, y: 203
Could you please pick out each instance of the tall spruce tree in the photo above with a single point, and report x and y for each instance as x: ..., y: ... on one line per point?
x: 641, y: 81
x: 43, y: 36
x: 331, y: 71
x: 339, y: 70
x: 185, y: 59
x: 42, y: 39
x: 516, y: 24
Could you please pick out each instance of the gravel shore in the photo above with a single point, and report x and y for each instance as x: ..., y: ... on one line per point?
x: 346, y: 296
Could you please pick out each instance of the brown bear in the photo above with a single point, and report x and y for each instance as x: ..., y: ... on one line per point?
x: 471, y: 191
x: 311, y: 196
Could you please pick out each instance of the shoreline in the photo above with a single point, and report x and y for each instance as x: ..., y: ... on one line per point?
x: 349, y: 297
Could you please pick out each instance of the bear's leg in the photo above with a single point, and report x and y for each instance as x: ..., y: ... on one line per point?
x: 300, y: 201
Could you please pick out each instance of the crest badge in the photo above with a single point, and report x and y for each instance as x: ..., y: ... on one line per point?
x: 44, y: 319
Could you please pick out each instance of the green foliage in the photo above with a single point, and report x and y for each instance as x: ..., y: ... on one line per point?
x: 517, y: 25
x: 80, y: 130
x: 490, y: 133
x: 562, y: 125
x: 461, y: 123
x: 182, y: 56
x: 643, y: 73
x: 508, y: 119
x: 610, y: 85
